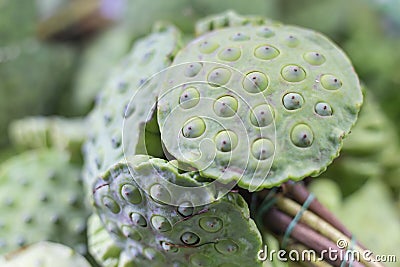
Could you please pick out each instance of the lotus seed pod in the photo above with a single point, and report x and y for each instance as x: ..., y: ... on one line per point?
x: 293, y: 97
x: 49, y: 132
x: 51, y: 207
x: 45, y: 254
x: 153, y: 233
x: 126, y: 105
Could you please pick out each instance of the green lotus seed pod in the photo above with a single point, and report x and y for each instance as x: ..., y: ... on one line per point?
x: 126, y: 104
x: 288, y: 82
x: 153, y: 233
x: 45, y: 254
x: 41, y: 198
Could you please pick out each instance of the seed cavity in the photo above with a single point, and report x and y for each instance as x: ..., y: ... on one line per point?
x: 208, y: 47
x: 189, y: 98
x: 211, y: 224
x: 192, y: 69
x: 266, y: 52
x: 131, y: 233
x: 131, y: 194
x: 218, y: 77
x: 330, y: 82
x: 323, y: 109
x: 293, y: 73
x: 314, y: 58
x: 262, y: 149
x: 225, y: 106
x: 226, y: 141
x: 160, y: 223
x: 291, y: 41
x: 169, y: 247
x: 190, y: 238
x: 200, y: 260
x: 265, y: 32
x: 255, y: 82
x: 230, y: 54
x: 138, y: 220
x: 185, y: 209
x: 111, y: 204
x: 261, y: 116
x: 160, y: 193
x: 302, y: 135
x: 226, y: 247
x: 194, y: 127
x: 293, y: 101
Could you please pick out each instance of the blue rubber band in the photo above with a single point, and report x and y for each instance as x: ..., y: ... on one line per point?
x: 349, y: 248
x: 296, y: 218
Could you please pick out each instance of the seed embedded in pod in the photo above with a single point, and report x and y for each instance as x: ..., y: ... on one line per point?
x: 226, y: 106
x: 219, y: 77
x: 138, y: 220
x: 302, y: 135
x: 185, y: 209
x: 293, y: 73
x: 293, y: 101
x: 330, y: 82
x: 192, y: 69
x: 262, y: 149
x: 131, y: 194
x: 291, y: 41
x: 161, y: 223
x: 208, y: 47
x: 255, y: 82
x: 111, y: 204
x: 261, y: 116
x: 266, y: 52
x: 265, y: 32
x: 226, y: 247
x: 314, y: 58
x: 239, y: 36
x: 323, y: 109
x: 131, y: 233
x: 211, y: 224
x: 189, y: 98
x: 169, y: 247
x: 230, y: 54
x: 194, y: 127
x: 226, y: 141
x: 159, y: 193
x: 190, y: 238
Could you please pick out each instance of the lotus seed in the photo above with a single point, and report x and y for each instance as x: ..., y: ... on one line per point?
x: 255, y: 82
x: 240, y: 37
x: 226, y: 106
x: 226, y: 247
x: 266, y: 52
x: 302, y: 135
x: 262, y: 149
x: 131, y: 194
x: 161, y: 223
x: 131, y: 233
x: 330, y: 82
x: 192, y: 69
x: 200, y: 260
x: 293, y: 73
x: 293, y: 101
x: 226, y: 141
x: 208, y: 47
x: 291, y: 41
x: 230, y: 54
x: 219, y: 77
x: 211, y: 224
x: 265, y: 32
x: 323, y: 109
x: 111, y: 204
x: 190, y: 238
x: 138, y: 220
x: 261, y: 116
x: 168, y: 246
x: 193, y: 128
x: 314, y: 58
x: 189, y: 98
x: 186, y: 209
